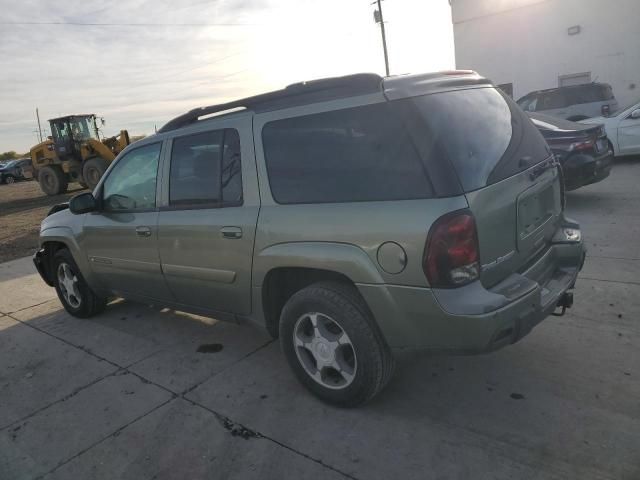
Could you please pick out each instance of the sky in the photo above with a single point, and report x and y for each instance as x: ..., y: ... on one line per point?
x: 140, y: 76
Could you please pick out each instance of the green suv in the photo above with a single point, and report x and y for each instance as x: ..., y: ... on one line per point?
x: 350, y: 217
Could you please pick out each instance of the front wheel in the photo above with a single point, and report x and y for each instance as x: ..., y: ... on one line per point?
x: 92, y: 171
x: 9, y: 179
x: 53, y: 180
x: 333, y: 345
x: 72, y: 289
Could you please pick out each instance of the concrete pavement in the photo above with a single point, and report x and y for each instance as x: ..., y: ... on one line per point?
x: 128, y: 395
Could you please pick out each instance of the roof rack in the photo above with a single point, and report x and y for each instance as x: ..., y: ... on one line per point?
x: 293, y: 95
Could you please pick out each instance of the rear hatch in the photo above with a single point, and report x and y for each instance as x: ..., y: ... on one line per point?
x: 507, y: 171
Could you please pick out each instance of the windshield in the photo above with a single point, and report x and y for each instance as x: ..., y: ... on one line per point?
x: 618, y: 111
x: 83, y: 128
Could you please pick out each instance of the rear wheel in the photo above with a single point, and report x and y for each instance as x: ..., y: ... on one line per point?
x: 92, y: 171
x: 53, y: 180
x: 72, y: 289
x: 333, y: 346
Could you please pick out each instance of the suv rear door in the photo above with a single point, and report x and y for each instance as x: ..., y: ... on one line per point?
x: 208, y: 215
x: 505, y: 167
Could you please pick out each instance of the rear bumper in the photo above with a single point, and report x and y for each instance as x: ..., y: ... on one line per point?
x: 472, y: 319
x: 583, y: 169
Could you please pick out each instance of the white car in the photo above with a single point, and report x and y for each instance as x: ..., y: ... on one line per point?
x: 623, y: 129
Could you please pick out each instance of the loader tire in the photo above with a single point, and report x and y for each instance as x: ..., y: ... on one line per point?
x: 92, y: 171
x: 53, y: 180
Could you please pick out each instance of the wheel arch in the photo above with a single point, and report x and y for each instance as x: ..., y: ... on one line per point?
x: 284, y: 269
x: 57, y: 238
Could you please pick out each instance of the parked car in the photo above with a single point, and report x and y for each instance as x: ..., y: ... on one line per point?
x: 623, y: 129
x: 584, y: 152
x: 574, y: 103
x: 14, y: 170
x: 348, y: 216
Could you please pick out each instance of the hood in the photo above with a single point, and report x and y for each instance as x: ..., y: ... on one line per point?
x: 594, y: 121
x: 60, y: 218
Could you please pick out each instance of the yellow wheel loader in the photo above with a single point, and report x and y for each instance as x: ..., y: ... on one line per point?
x: 74, y: 153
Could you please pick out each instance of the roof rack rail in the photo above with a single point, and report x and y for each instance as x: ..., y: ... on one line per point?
x: 295, y: 94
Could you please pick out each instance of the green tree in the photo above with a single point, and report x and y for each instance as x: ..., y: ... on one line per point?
x: 8, y: 156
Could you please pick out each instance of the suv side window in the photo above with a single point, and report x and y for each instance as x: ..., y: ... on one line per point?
x: 131, y: 184
x: 552, y: 100
x: 350, y: 155
x: 205, y: 169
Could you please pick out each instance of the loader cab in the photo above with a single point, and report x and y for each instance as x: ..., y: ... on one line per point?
x: 71, y: 131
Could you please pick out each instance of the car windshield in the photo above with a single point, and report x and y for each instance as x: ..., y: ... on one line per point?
x: 83, y: 128
x: 9, y: 164
x: 618, y: 111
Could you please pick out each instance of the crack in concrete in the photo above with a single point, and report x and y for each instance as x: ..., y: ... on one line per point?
x: 115, y: 433
x: 229, y: 424
x: 594, y: 279
x: 234, y: 428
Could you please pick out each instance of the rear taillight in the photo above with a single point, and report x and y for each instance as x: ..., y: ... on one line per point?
x: 606, y: 110
x: 451, y: 256
x: 567, y: 144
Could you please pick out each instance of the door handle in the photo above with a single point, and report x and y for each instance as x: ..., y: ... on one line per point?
x: 143, y: 231
x: 231, y: 232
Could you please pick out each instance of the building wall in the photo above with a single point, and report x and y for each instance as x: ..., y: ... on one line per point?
x: 525, y: 42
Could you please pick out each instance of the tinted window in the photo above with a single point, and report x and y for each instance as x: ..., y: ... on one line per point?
x: 205, y: 169
x: 350, y: 155
x: 552, y: 100
x: 131, y: 184
x: 482, y: 133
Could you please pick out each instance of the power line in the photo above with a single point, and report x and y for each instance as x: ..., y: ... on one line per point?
x: 92, y: 24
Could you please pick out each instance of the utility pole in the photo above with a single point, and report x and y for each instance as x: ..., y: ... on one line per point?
x: 379, y: 18
x: 39, y: 128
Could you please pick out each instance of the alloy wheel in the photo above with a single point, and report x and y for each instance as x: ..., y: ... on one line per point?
x: 324, y: 350
x: 68, y: 283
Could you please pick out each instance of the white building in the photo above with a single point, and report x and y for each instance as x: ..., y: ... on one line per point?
x: 538, y: 44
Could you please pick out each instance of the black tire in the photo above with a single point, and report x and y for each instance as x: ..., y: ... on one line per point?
x: 53, y: 180
x: 343, y: 304
x: 92, y: 171
x: 9, y: 179
x: 88, y: 303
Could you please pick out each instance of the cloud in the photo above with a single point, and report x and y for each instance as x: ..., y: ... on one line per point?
x: 141, y: 76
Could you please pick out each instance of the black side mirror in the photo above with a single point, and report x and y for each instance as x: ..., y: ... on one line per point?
x: 83, y: 203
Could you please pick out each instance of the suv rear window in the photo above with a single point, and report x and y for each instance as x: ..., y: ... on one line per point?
x: 482, y: 132
x: 350, y: 155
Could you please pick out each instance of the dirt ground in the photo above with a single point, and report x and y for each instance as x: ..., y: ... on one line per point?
x: 22, y: 208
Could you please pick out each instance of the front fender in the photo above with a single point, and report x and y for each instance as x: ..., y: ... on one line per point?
x: 342, y: 258
x: 65, y: 235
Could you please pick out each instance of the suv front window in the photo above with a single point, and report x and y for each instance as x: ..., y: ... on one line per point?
x: 131, y: 185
